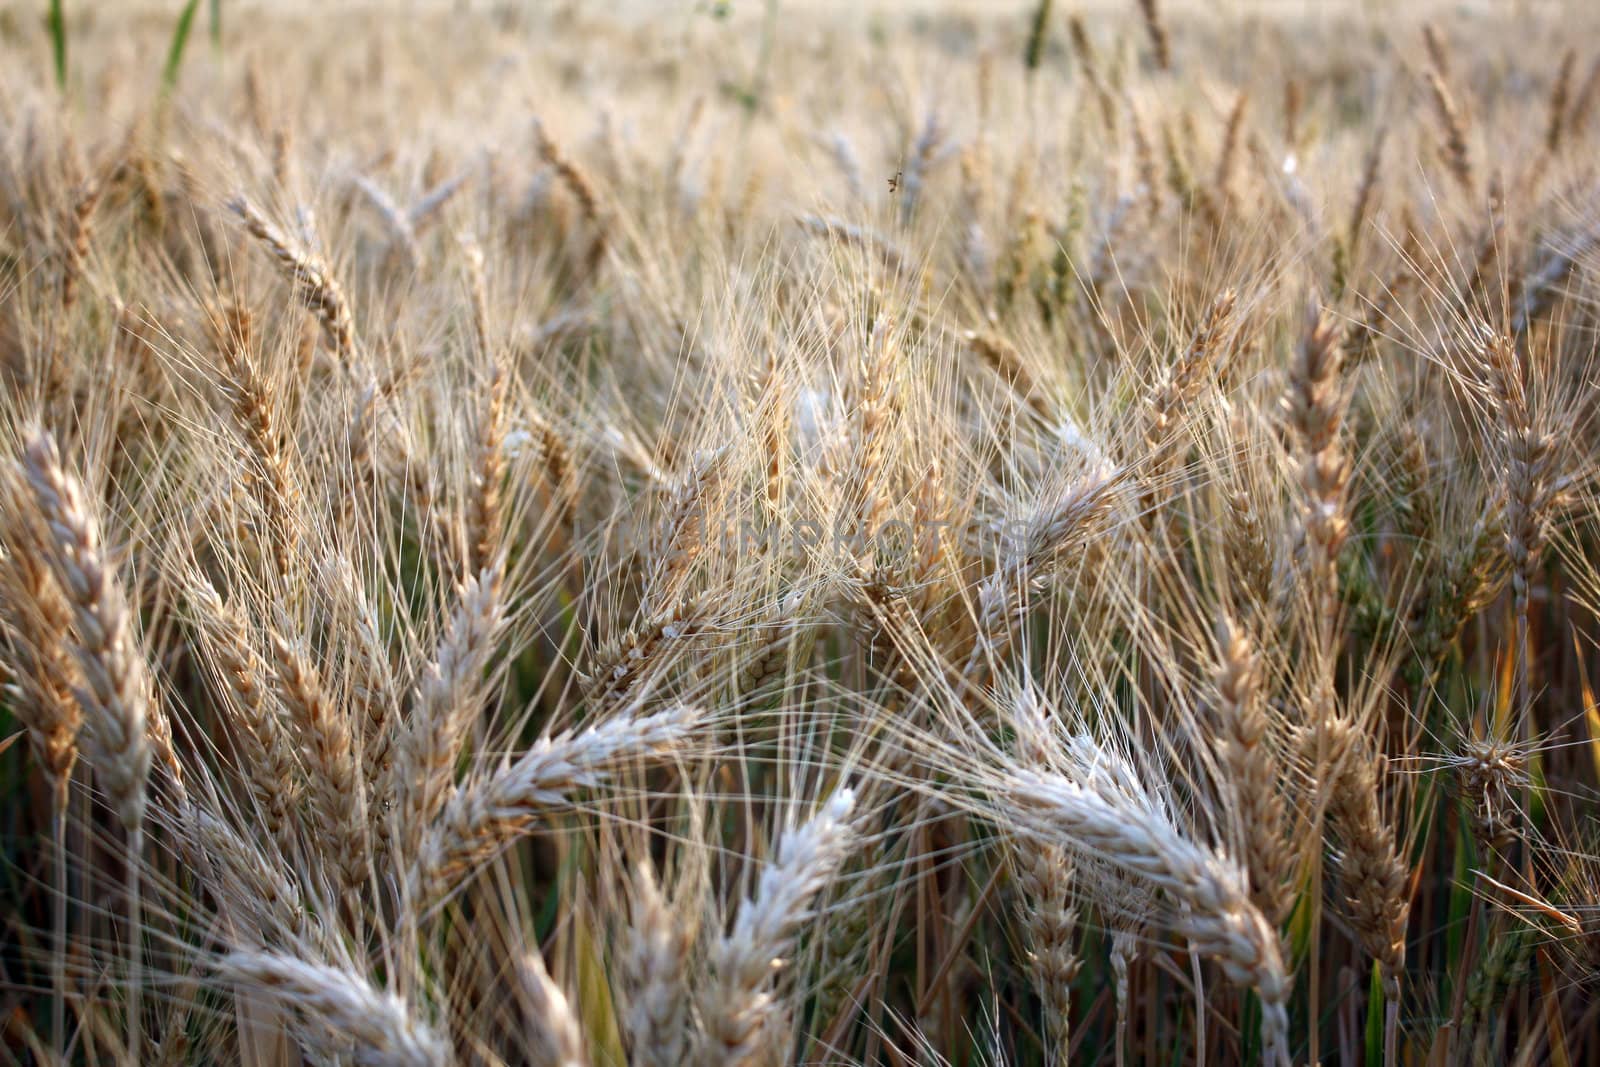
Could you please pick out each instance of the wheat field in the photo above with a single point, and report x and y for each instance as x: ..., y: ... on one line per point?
x: 776, y: 533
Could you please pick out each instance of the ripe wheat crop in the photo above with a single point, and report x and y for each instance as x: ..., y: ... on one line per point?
x: 800, y: 533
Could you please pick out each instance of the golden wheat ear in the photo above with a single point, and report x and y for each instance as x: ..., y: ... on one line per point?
x: 312, y: 279
x: 737, y: 1008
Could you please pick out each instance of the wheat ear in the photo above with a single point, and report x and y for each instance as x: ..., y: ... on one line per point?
x: 248, y: 882
x: 312, y: 278
x: 447, y: 699
x: 556, y: 1037
x: 1253, y: 774
x: 1366, y: 193
x: 401, y: 233
x: 1373, y: 871
x: 740, y: 1005
x: 37, y: 630
x: 1560, y: 97
x: 124, y: 727
x: 276, y: 488
x: 655, y: 966
x: 477, y: 818
x: 1529, y: 459
x: 617, y: 668
x: 37, y: 624
x: 269, y: 763
x: 1177, y: 386
x: 80, y: 233
x: 1044, y: 874
x: 340, y: 1009
x: 582, y: 190
x: 1216, y: 915
x: 429, y: 206
x: 1083, y: 49
x: 485, y: 508
x: 324, y: 730
x: 1160, y: 40
x: 1457, y: 155
x: 1025, y: 567
x: 1223, y: 183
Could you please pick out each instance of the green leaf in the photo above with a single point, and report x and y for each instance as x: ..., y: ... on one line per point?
x: 1375, y: 1009
x: 1460, y: 903
x: 1036, y: 36
x: 58, y: 43
x: 180, y: 38
x: 597, y: 1010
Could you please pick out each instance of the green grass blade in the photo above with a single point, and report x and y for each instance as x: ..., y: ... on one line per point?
x: 1376, y: 1005
x: 180, y: 39
x: 1036, y: 36
x: 216, y: 24
x: 58, y: 43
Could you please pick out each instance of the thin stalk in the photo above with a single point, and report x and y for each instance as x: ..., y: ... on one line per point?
x: 57, y: 23
x: 1524, y: 699
x: 135, y: 947
x: 1314, y: 960
x: 1391, y: 1033
x: 58, y: 881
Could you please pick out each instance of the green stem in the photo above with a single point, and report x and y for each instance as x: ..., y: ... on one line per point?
x: 57, y: 23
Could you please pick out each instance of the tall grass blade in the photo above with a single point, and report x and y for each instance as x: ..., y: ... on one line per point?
x: 57, y: 24
x: 180, y: 41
